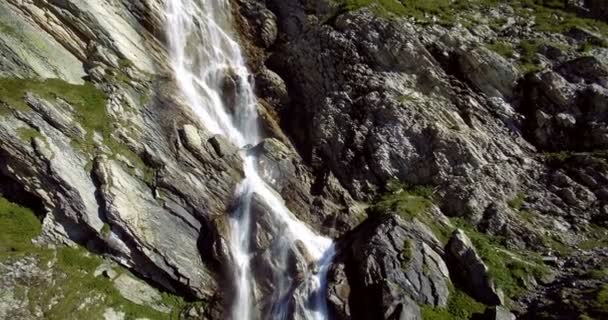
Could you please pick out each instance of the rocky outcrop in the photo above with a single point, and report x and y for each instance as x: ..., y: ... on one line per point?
x: 567, y: 106
x: 282, y: 168
x: 385, y: 268
x: 371, y: 104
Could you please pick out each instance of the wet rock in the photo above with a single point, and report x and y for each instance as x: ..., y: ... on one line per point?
x: 338, y: 292
x: 277, y: 164
x: 222, y: 146
x: 470, y: 270
x: 230, y: 89
x: 272, y: 88
x: 262, y: 21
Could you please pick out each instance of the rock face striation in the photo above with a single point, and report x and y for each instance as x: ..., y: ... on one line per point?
x: 508, y: 132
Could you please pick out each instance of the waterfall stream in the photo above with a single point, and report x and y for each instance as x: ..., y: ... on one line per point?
x: 205, y: 57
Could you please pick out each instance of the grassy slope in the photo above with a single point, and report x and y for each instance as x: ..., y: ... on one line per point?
x: 72, y: 269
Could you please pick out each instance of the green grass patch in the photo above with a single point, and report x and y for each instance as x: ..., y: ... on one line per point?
x: 409, y: 202
x: 28, y: 134
x: 18, y: 227
x: 597, y: 237
x: 509, y: 270
x: 555, y: 243
x: 517, y: 202
x: 74, y: 270
x: 597, y: 274
x: 8, y: 30
x: 424, y: 11
x: 551, y: 16
x: 505, y: 49
x: 105, y: 230
x: 88, y: 100
x: 460, y: 307
x: 557, y: 157
x: 600, y: 304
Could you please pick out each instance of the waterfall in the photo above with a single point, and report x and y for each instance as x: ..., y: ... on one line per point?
x: 212, y: 75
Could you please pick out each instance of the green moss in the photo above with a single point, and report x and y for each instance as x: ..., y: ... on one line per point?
x: 410, y: 202
x: 125, y: 63
x: 407, y: 201
x: 106, y: 229
x: 88, y: 100
x: 549, y: 15
x: 557, y: 157
x: 527, y: 215
x: 407, y: 253
x: 27, y: 133
x: 460, y: 307
x: 517, y: 202
x: 8, y: 30
x: 74, y: 283
x: 586, y: 47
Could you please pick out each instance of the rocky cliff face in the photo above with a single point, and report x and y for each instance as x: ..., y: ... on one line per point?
x: 390, y: 127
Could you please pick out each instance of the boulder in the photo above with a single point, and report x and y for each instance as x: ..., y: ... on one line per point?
x: 272, y: 88
x: 489, y: 72
x: 469, y: 269
x: 497, y: 313
x: 385, y: 268
x: 139, y: 292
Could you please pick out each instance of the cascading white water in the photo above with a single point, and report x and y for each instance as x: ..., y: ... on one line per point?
x: 205, y: 58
